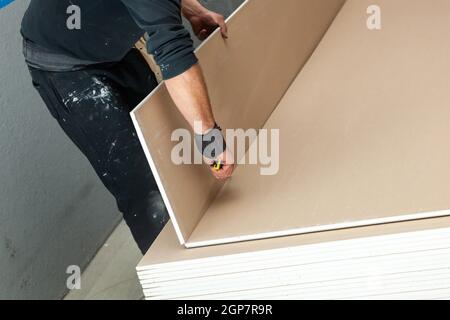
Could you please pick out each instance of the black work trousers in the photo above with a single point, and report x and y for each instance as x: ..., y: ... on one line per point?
x: 92, y: 106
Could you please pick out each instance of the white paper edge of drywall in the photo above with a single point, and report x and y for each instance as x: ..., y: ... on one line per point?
x: 315, y: 272
x: 394, y: 279
x: 191, y: 270
x: 270, y: 277
x: 402, y: 241
x: 156, y: 175
x: 401, y: 278
x: 438, y: 294
x: 424, y: 291
x: 320, y: 228
x: 386, y: 267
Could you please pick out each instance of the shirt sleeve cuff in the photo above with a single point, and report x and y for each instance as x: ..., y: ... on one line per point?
x: 175, y: 68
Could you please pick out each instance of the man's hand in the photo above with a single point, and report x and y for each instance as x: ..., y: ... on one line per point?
x: 227, y: 161
x: 203, y: 21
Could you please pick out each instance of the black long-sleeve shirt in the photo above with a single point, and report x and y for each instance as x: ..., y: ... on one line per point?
x: 108, y: 30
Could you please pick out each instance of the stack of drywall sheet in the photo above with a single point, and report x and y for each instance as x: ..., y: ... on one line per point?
x: 363, y: 117
x: 407, y: 260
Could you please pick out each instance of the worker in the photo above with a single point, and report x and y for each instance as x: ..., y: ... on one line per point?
x: 90, y: 77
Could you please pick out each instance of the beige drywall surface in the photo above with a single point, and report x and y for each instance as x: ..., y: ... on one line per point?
x: 364, y: 130
x: 246, y: 75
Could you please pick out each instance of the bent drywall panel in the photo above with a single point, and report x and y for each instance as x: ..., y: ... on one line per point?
x: 247, y: 76
x: 363, y: 128
x: 364, y: 132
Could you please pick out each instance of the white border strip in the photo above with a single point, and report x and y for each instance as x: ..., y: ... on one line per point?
x: 337, y: 226
x: 397, y: 242
x: 172, y: 215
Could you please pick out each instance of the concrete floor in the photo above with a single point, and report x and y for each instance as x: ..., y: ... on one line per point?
x: 111, y: 274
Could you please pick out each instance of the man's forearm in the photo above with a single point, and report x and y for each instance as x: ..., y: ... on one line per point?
x: 191, y: 8
x: 190, y: 95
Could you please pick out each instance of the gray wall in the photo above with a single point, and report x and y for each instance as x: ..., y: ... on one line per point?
x: 225, y: 7
x: 54, y: 212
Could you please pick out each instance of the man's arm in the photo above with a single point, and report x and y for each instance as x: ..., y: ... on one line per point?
x: 203, y: 21
x: 172, y: 47
x: 169, y: 42
x: 188, y: 91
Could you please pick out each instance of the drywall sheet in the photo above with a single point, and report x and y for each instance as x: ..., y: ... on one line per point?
x: 247, y: 76
x: 388, y: 289
x: 364, y: 132
x: 167, y: 253
x: 410, y: 256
